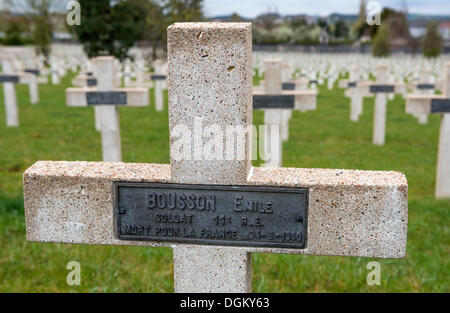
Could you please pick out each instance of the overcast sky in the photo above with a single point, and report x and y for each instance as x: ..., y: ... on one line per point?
x: 252, y: 8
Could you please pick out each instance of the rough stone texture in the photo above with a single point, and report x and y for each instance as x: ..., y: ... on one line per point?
x: 210, y: 77
x: 211, y: 269
x: 351, y: 213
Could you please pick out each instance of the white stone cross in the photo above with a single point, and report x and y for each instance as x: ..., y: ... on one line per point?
x: 215, y: 212
x: 9, y: 78
x: 54, y: 70
x: 423, y: 87
x: 274, y: 92
x: 367, y: 88
x: 31, y: 78
x: 105, y: 97
x: 158, y: 78
x: 424, y: 104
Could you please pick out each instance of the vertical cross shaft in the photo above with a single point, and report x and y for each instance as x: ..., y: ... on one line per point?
x: 9, y: 90
x: 210, y: 82
x: 107, y: 114
x: 356, y: 98
x: 443, y: 164
x: 379, y: 126
x: 273, y: 117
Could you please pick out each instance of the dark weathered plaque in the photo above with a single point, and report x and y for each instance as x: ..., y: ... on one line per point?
x: 32, y: 71
x: 89, y: 74
x: 440, y: 106
x: 313, y: 81
x: 382, y: 88
x: 425, y: 86
x: 288, y: 86
x: 9, y: 78
x: 106, y: 97
x: 157, y: 77
x: 273, y: 102
x: 91, y: 82
x: 351, y: 84
x: 208, y: 214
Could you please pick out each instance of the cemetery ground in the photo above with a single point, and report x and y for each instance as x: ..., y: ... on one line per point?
x: 324, y: 138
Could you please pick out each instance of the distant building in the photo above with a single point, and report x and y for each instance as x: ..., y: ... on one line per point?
x: 444, y: 30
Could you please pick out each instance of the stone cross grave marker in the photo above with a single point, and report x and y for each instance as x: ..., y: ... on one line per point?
x: 381, y: 89
x: 9, y: 78
x: 54, y: 71
x: 278, y: 100
x: 31, y: 77
x: 105, y: 97
x: 87, y: 78
x: 357, y: 90
x: 421, y: 104
x: 158, y: 78
x: 423, y: 87
x: 356, y: 102
x: 215, y: 212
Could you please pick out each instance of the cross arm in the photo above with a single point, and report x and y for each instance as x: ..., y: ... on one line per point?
x: 422, y: 104
x: 351, y: 213
x: 127, y: 96
x: 17, y: 78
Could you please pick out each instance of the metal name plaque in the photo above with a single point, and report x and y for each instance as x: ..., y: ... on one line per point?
x: 440, y: 106
x: 32, y: 71
x: 9, y: 79
x: 288, y: 86
x: 274, y: 217
x: 106, y: 98
x: 313, y: 81
x: 351, y: 84
x: 157, y: 77
x: 273, y: 102
x: 91, y: 82
x: 381, y: 88
x: 425, y: 86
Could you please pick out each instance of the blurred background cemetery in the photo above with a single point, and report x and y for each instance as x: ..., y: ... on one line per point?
x: 327, y: 48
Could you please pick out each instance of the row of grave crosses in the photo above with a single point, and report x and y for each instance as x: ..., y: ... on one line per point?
x: 425, y: 104
x: 311, y: 211
x: 278, y: 98
x: 420, y: 105
x: 105, y: 97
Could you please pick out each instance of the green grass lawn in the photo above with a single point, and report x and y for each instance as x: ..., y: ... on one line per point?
x: 319, y: 139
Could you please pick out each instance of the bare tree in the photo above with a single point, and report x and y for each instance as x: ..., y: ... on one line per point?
x: 38, y: 13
